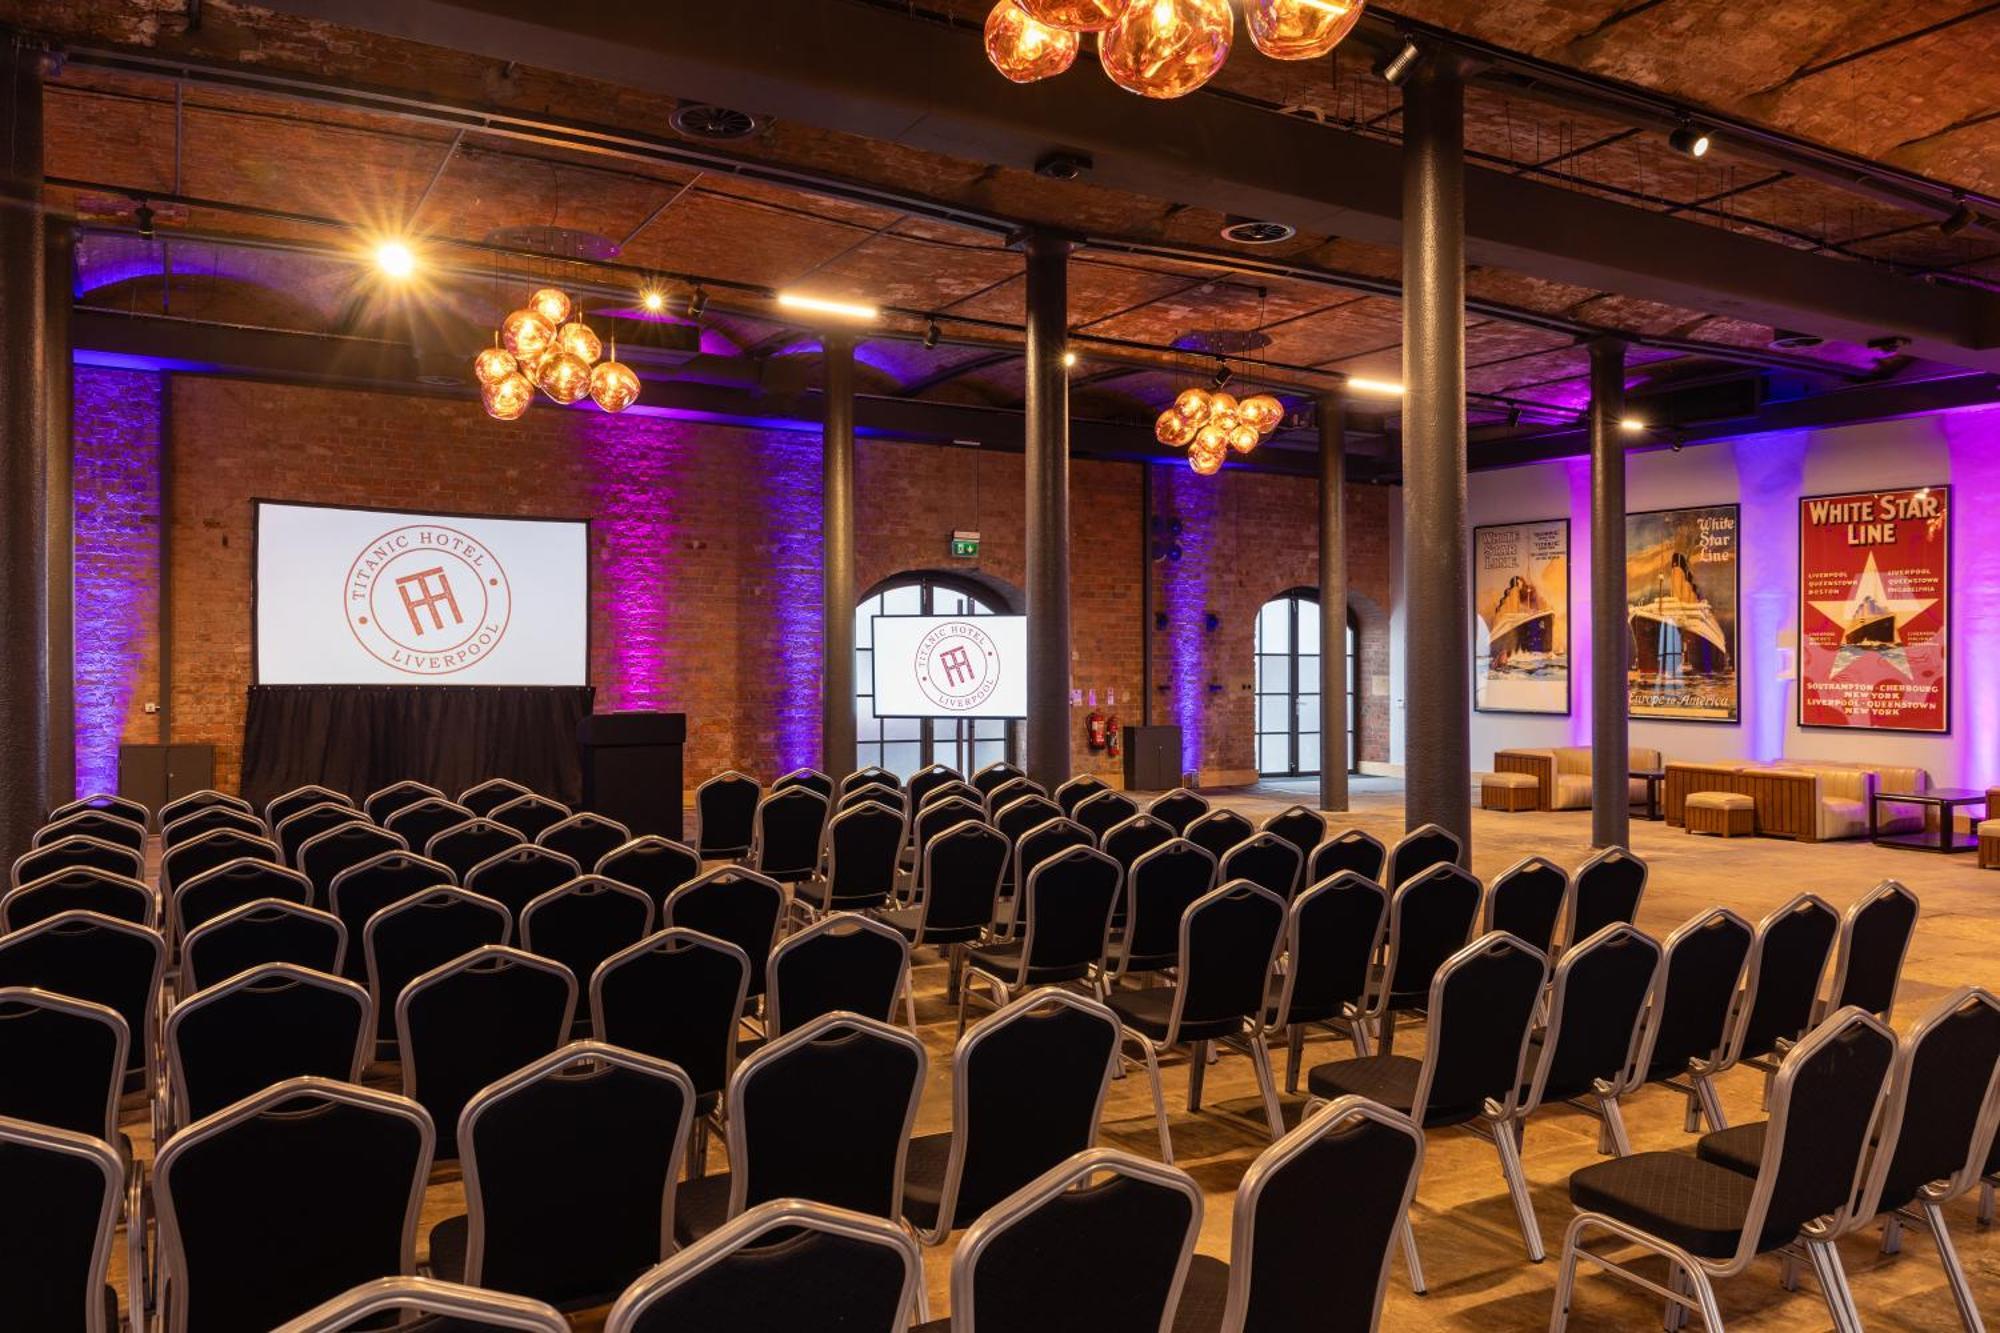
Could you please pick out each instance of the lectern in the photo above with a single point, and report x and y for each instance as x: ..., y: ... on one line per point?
x: 632, y: 769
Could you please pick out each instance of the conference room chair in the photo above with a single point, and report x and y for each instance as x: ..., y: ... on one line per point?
x: 1333, y: 933
x: 260, y: 1027
x: 1129, y: 839
x: 120, y: 806
x: 1027, y: 1090
x: 1708, y: 1222
x: 785, y: 834
x: 1607, y: 889
x: 426, y: 1302
x: 72, y: 852
x: 1266, y: 860
x: 941, y: 814
x: 483, y: 798
x: 363, y: 889
x: 1781, y: 983
x: 360, y: 1156
x: 426, y: 930
x: 1430, y: 918
x: 268, y: 930
x: 1050, y: 838
x: 1158, y: 889
x: 823, y: 1113
x: 310, y: 822
x: 725, y: 809
x: 99, y: 824
x: 1352, y: 849
x: 782, y: 1266
x: 1101, y: 1241
x: 961, y: 873
x: 1419, y: 850
x: 55, y: 1257
x: 1014, y: 789
x: 1934, y: 1134
x: 1178, y: 808
x: 809, y: 778
x: 88, y: 956
x: 281, y: 807
x: 1065, y: 934
x: 996, y: 774
x: 928, y: 779
x: 517, y: 875
x: 1069, y: 795
x: 1217, y: 831
x: 1589, y: 1049
x: 1102, y: 811
x: 584, y: 921
x: 470, y: 1021
x: 570, y: 1165
x: 878, y: 792
x: 1687, y: 1019
x: 382, y: 804
x: 463, y: 846
x: 418, y: 821
x: 1304, y: 828
x: 843, y: 962
x: 1482, y: 1008
x: 1874, y: 938
x: 584, y: 837
x: 956, y: 789
x: 863, y: 851
x: 678, y: 996
x: 873, y: 775
x: 1018, y: 816
x: 732, y: 904
x: 207, y: 819
x: 1230, y: 939
x: 1349, y: 1170
x: 1527, y: 900
x: 529, y: 815
x: 62, y: 1064
x: 229, y: 886
x: 78, y: 888
x: 174, y: 809
x: 654, y: 865
x: 342, y: 847
x: 203, y: 854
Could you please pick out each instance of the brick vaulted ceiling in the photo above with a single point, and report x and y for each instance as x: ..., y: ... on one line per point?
x: 249, y: 129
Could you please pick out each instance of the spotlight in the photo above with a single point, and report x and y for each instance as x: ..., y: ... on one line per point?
x: 143, y: 215
x: 932, y: 336
x: 1690, y: 141
x: 697, y: 302
x: 821, y: 306
x: 1513, y: 417
x: 653, y: 300
x: 395, y: 260
x: 1361, y: 384
x: 1631, y: 425
x: 1677, y: 444
x: 1961, y: 218
x: 1223, y: 374
x: 1397, y: 66
x: 1069, y: 359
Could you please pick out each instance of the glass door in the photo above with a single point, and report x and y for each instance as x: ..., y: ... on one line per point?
x: 1288, y: 700
x: 905, y: 745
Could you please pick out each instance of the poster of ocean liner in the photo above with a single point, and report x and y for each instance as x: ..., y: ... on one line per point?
x: 1680, y: 602
x: 1874, y: 594
x: 1520, y: 636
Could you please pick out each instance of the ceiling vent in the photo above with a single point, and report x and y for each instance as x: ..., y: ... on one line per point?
x: 1250, y: 231
x: 699, y: 120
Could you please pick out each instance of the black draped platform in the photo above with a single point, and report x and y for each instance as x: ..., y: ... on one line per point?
x: 360, y: 738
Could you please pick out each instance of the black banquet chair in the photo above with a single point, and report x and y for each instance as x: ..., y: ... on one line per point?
x: 463, y: 846
x: 120, y: 806
x: 1266, y: 860
x: 205, y: 820
x: 217, y: 848
x: 174, y: 809
x: 1607, y: 889
x: 79, y: 888
x: 1527, y: 900
x: 676, y: 995
x: 1015, y: 789
x: 785, y: 835
x: 484, y: 798
x: 208, y: 895
x: 864, y: 845
x: 99, y: 824
x: 1687, y: 1020
x: 1102, y: 812
x: 1781, y: 985
x: 382, y: 804
x: 1219, y: 830
x: 584, y: 837
x: 961, y: 872
x: 809, y: 778
x: 309, y: 823
x: 1305, y: 829
x: 733, y: 904
x: 654, y: 865
x: 1178, y: 808
x: 360, y: 1156
x: 519, y: 875
x: 944, y: 813
x: 66, y: 1062
x: 325, y: 855
x: 926, y: 780
x: 1046, y: 840
x: 91, y: 957
x: 1419, y: 850
x: 1336, y: 929
x: 845, y: 961
x: 428, y: 929
x: 260, y: 1027
x: 725, y: 808
x: 1067, y: 910
x: 72, y: 852
x: 269, y: 930
x: 995, y: 775
x: 874, y: 775
x: 360, y: 891
x: 286, y: 804
x: 56, y: 1236
x: 1430, y: 918
x: 424, y: 818
x: 465, y: 1309
x: 1159, y: 887
x: 530, y: 815
x: 1131, y: 839
x: 1868, y: 957
x: 782, y: 1267
x: 1069, y: 795
x: 585, y: 921
x: 1363, y: 853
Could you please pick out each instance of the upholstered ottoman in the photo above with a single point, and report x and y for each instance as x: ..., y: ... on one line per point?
x: 1509, y: 791
x: 1989, y: 844
x: 1726, y: 814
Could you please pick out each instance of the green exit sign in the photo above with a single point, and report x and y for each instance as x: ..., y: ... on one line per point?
x: 965, y: 545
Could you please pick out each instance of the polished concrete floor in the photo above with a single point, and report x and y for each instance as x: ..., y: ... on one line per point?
x: 1479, y: 1276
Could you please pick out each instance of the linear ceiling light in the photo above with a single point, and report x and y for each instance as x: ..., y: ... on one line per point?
x: 820, y: 306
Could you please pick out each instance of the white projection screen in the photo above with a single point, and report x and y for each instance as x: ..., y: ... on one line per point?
x: 951, y: 666
x: 381, y: 597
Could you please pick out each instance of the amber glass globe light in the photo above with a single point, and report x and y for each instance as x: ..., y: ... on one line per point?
x: 1262, y: 411
x: 1193, y: 405
x: 1224, y: 410
x: 1174, y: 429
x: 1024, y: 49
x: 564, y: 376
x: 1299, y: 29
x: 1074, y: 15
x: 613, y: 385
x: 576, y: 338
x: 1205, y: 461
x: 1244, y: 438
x: 507, y: 397
x: 551, y: 305
x: 1167, y: 48
x: 527, y: 335
x: 493, y: 365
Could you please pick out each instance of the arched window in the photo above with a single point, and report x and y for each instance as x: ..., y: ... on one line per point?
x: 1287, y: 676
x: 904, y: 745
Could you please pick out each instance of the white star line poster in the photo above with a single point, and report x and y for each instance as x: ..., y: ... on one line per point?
x: 1874, y: 600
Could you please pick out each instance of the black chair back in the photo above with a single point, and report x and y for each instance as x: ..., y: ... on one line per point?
x: 733, y: 904
x: 266, y: 931
x: 1178, y: 808
x: 1015, y: 789
x: 1430, y: 918
x: 530, y: 816
x: 1609, y: 888
x: 361, y: 1157
x: 426, y: 930
x: 843, y: 962
x: 125, y: 809
x: 486, y: 797
x: 519, y: 875
x: 725, y: 808
x: 210, y: 850
x: 872, y: 776
x: 1527, y: 899
x: 91, y: 957
x: 995, y: 775
x: 1077, y: 790
x: 463, y: 846
x: 927, y: 780
x: 1047, y: 839
x: 1874, y: 937
x: 676, y: 996
x: 1787, y: 962
x: 229, y: 886
x: 1128, y: 840
x: 105, y: 827
x: 955, y: 789
x: 1354, y: 850
x: 1946, y: 1073
x: 197, y: 822
x: 424, y: 818
x: 1482, y: 1010
x: 940, y: 815
x: 286, y: 804
x: 65, y: 1063
x: 1337, y: 927
x: 1161, y: 885
x: 260, y: 1027
x: 1230, y: 939
x: 174, y: 809
x: 383, y: 804
x: 1597, y: 1013
x: 654, y: 865
x: 864, y: 844
x: 55, y: 1255
x: 1304, y: 828
x: 585, y: 838
x: 583, y: 922
x: 962, y: 869
x: 310, y: 823
x: 1419, y: 850
x: 1103, y: 811
x: 1219, y: 830
x: 79, y: 852
x: 1825, y: 1104
x: 1068, y: 905
x: 809, y: 778
x: 1267, y: 860
x: 80, y: 888
x: 879, y: 792
x: 1689, y: 1019
x: 362, y: 890
x: 325, y: 855
x: 1028, y: 812
x: 784, y: 839
x: 477, y: 1018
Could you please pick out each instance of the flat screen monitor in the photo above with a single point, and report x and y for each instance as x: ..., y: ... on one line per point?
x: 951, y: 666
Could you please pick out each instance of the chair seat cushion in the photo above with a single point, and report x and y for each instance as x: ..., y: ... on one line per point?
x: 1203, y: 1296
x: 1696, y: 1205
x: 1388, y: 1079
x: 923, y: 1178
x: 1740, y: 1147
x: 700, y: 1207
x: 907, y: 921
x: 1720, y: 800
x: 1150, y: 1010
x: 448, y: 1242
x: 1003, y: 960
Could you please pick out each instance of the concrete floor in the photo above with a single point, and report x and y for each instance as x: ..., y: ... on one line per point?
x: 1479, y: 1276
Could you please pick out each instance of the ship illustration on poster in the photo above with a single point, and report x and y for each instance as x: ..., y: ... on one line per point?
x: 1681, y: 612
x: 1521, y: 625
x: 1524, y: 630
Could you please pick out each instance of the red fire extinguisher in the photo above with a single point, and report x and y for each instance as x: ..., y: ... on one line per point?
x: 1098, y: 730
x: 1112, y: 742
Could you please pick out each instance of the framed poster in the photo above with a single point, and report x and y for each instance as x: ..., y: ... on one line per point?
x: 1520, y: 603
x: 1680, y: 604
x: 1874, y: 601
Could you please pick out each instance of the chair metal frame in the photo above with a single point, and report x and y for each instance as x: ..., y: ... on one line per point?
x: 1351, y: 1017
x: 104, y: 1157
x: 55, y: 830
x: 253, y: 979
x: 137, y: 861
x: 532, y: 801
x: 426, y: 1296
x: 1347, y: 838
x: 195, y: 800
x: 1003, y: 989
x: 732, y: 777
x: 443, y: 802
x: 254, y: 907
x: 424, y: 791
x: 109, y: 802
x: 836, y: 923
x: 178, y: 933
x: 1702, y: 1074
x: 11, y: 896
x: 94, y: 1012
x: 491, y: 784
x: 1843, y: 957
x: 321, y: 795
x: 808, y: 777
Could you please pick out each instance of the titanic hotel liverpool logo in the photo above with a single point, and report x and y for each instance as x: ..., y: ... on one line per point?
x: 957, y: 666
x: 427, y: 600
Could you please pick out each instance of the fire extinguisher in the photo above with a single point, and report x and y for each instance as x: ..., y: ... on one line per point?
x: 1097, y: 727
x: 1112, y: 743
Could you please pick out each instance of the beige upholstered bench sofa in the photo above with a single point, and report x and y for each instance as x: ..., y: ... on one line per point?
x: 1562, y: 774
x: 1803, y: 799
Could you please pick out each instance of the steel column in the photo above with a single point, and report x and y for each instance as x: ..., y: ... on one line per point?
x: 837, y: 559
x: 59, y: 277
x: 1610, y: 634
x: 1047, y: 446
x: 1333, y: 678
x: 1438, y: 744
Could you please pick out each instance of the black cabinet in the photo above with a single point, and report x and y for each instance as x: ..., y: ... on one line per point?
x: 152, y: 775
x: 1152, y: 758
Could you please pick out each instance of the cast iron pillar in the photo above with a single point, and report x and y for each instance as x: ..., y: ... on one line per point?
x: 1047, y: 446
x: 837, y: 559
x: 1610, y: 634
x: 1334, y: 682
x: 1438, y: 683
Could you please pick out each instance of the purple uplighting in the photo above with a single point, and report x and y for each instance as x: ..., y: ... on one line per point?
x: 633, y: 466
x: 1579, y: 601
x: 1770, y: 472
x: 786, y: 533
x: 1193, y: 500
x: 1973, y: 438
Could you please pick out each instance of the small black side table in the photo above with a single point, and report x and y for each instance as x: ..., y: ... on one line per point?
x: 1652, y: 777
x: 1945, y: 800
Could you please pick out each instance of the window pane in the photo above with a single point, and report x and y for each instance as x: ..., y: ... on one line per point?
x: 864, y: 717
x: 1308, y: 712
x: 1308, y: 626
x: 990, y: 728
x: 1308, y: 753
x: 1309, y: 670
x: 864, y: 622
x: 902, y: 729
x: 864, y: 670
x: 1274, y: 754
x: 903, y: 759
x: 1274, y: 627
x: 1274, y: 674
x: 907, y: 600
x: 984, y: 753
x: 1274, y: 712
x: 866, y: 754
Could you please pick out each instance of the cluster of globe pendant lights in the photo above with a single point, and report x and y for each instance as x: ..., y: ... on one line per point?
x: 1209, y: 423
x: 546, y: 345
x: 1158, y: 48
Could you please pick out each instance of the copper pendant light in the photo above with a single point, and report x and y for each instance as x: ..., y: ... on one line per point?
x: 1167, y: 48
x: 1024, y: 48
x: 1299, y: 29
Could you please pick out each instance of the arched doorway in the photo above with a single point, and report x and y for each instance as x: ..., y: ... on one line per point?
x: 904, y: 745
x: 1289, y: 716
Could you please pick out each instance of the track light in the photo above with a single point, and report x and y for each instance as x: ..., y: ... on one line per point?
x: 1223, y: 374
x: 1961, y: 218
x: 1396, y: 67
x: 143, y: 215
x: 932, y: 336
x: 697, y: 302
x: 1690, y: 141
x: 653, y: 300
